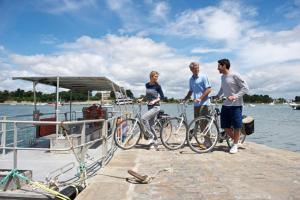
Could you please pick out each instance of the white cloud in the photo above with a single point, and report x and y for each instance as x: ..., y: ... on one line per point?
x: 128, y: 13
x: 278, y: 80
x: 269, y: 60
x: 224, y: 22
x: 290, y: 9
x: 160, y: 11
x: 63, y: 6
x: 271, y: 47
x: 209, y: 50
x: 49, y: 39
x: 117, y: 5
x: 129, y: 60
x: 126, y: 60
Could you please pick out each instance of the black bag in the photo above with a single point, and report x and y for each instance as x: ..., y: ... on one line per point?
x: 248, y: 125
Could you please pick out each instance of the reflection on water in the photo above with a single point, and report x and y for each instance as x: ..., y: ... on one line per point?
x: 276, y: 126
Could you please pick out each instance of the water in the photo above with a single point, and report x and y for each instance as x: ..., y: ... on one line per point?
x: 277, y: 126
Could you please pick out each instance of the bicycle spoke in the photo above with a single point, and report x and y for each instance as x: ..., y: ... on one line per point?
x: 173, y: 133
x: 203, y: 134
x: 127, y: 133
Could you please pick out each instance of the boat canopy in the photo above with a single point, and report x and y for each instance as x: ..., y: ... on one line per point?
x: 79, y: 84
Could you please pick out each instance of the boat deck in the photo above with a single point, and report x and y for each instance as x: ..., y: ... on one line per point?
x: 41, y: 163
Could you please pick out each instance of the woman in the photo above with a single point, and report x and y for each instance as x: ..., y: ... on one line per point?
x: 153, y: 95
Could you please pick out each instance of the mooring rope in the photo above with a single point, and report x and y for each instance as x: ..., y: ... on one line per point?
x: 15, y: 173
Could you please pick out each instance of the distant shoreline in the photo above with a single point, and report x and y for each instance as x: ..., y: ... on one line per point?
x: 53, y: 103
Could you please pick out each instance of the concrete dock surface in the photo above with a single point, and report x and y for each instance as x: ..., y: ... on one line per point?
x: 256, y: 172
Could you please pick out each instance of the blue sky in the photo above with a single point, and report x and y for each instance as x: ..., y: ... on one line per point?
x: 125, y: 40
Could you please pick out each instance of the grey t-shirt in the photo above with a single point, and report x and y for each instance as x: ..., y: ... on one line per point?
x: 233, y: 85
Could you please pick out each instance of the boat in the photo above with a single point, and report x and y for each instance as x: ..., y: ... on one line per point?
x: 57, y: 151
x: 295, y: 106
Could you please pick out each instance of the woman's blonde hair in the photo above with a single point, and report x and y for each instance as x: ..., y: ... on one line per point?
x: 153, y: 73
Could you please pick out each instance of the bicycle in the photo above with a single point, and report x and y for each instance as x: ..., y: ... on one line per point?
x: 204, y: 132
x: 173, y: 130
x: 129, y: 131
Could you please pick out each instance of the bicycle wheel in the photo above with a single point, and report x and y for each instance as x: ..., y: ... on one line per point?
x: 127, y: 133
x: 202, y: 134
x: 229, y: 140
x: 173, y: 133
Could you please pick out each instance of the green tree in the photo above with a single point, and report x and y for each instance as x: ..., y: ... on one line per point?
x: 3, y: 97
x: 112, y: 95
x: 257, y: 98
x: 129, y: 94
x: 99, y: 95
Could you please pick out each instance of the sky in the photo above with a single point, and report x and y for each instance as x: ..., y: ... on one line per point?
x: 125, y: 40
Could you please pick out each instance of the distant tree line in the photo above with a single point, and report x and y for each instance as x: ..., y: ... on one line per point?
x: 265, y: 99
x: 21, y: 95
x: 257, y: 98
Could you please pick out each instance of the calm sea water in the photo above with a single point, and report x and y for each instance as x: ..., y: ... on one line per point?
x: 276, y: 126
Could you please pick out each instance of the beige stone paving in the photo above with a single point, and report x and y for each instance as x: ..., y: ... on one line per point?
x: 257, y: 172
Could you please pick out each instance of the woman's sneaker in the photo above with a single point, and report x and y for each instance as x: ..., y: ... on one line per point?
x: 234, y: 149
x: 150, y: 141
x: 154, y: 145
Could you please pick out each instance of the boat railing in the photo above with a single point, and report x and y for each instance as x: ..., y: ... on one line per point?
x: 27, y: 127
x: 62, y: 115
x: 105, y: 138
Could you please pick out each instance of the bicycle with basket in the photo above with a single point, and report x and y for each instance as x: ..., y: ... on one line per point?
x: 205, y: 132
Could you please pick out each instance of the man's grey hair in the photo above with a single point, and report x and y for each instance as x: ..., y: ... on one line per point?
x: 193, y: 64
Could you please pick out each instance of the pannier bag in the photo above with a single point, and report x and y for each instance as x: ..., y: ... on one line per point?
x: 248, y: 125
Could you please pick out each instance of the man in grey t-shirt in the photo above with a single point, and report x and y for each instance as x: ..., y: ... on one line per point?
x: 233, y: 87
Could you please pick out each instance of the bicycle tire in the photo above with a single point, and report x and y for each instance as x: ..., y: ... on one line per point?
x: 127, y: 133
x: 173, y: 133
x: 157, y: 127
x: 202, y: 139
